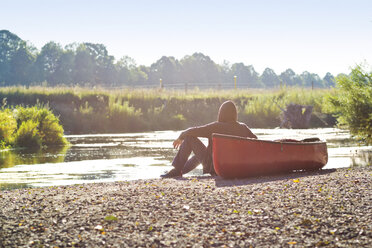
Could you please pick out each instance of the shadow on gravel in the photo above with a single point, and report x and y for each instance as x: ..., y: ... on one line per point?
x: 220, y: 182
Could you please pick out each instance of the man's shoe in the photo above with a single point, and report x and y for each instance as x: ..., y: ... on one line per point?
x: 172, y: 173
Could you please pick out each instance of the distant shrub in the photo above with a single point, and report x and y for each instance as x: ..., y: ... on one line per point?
x: 28, y: 135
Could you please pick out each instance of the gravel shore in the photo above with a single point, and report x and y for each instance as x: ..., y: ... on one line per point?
x: 329, y: 208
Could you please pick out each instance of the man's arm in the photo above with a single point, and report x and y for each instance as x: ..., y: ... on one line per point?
x: 199, y: 131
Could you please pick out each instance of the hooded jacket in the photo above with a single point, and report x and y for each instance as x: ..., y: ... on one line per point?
x: 226, y: 124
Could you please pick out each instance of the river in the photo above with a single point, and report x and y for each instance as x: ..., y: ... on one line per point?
x: 131, y: 156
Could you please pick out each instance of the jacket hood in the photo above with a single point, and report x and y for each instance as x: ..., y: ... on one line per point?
x: 228, y: 112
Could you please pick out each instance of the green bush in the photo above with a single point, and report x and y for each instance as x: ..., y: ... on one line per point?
x: 48, y: 129
x: 28, y: 135
x: 51, y: 132
x: 8, y: 125
x: 353, y: 103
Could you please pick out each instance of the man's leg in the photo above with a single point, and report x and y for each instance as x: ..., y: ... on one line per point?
x: 191, y: 164
x: 181, y: 162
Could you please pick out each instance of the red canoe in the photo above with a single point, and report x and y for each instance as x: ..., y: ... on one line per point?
x: 238, y: 157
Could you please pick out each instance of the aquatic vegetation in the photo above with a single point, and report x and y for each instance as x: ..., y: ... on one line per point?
x: 52, y: 154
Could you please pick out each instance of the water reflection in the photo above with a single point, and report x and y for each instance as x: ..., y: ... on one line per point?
x: 10, y: 158
x: 114, y: 157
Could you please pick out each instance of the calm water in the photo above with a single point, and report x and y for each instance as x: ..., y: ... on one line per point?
x: 118, y: 157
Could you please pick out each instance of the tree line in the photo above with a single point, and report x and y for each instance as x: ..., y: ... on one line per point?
x: 90, y: 64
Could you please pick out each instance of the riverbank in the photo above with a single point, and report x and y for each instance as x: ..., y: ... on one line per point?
x: 85, y: 110
x: 306, y: 209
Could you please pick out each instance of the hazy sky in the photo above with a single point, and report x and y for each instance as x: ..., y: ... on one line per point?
x: 313, y: 35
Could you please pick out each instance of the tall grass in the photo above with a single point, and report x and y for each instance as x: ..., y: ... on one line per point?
x: 125, y: 118
x: 82, y: 110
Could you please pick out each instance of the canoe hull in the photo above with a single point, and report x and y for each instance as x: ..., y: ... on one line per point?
x: 238, y: 157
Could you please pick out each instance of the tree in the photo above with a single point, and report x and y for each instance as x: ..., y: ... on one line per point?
x: 105, y: 69
x: 200, y: 70
x: 84, y: 70
x: 21, y: 63
x: 269, y: 78
x: 289, y: 77
x: 9, y: 44
x: 94, y: 65
x: 123, y: 70
x: 47, y: 63
x: 226, y: 73
x: 65, y: 67
x: 138, y: 75
x: 247, y: 77
x: 128, y: 73
x: 353, y: 103
x: 329, y: 80
x: 311, y: 79
x: 21, y: 66
x: 16, y: 59
x: 166, y: 68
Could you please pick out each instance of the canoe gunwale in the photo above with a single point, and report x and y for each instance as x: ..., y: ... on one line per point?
x: 225, y: 136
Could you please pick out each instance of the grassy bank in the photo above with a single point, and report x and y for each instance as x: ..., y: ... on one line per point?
x: 82, y: 110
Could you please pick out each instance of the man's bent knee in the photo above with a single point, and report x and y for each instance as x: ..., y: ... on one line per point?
x: 190, y: 139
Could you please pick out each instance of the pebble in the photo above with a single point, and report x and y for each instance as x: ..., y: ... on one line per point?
x: 328, y: 208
